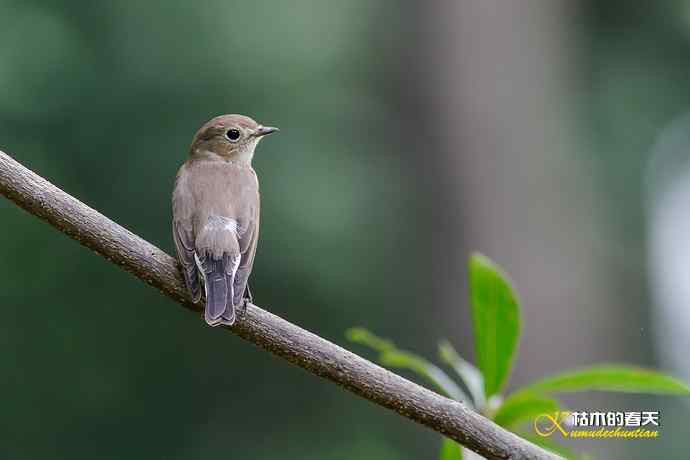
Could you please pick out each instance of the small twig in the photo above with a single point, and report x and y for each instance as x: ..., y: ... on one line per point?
x: 300, y: 347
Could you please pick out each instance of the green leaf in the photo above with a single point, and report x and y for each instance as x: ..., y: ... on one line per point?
x: 496, y: 319
x: 523, y: 405
x: 469, y: 374
x: 450, y: 450
x: 390, y: 355
x: 610, y: 377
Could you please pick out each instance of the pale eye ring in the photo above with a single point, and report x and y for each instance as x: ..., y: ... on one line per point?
x: 233, y: 134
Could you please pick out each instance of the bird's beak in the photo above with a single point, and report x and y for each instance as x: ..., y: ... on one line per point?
x: 264, y: 130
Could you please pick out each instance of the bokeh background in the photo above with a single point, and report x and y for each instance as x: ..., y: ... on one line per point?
x: 553, y: 136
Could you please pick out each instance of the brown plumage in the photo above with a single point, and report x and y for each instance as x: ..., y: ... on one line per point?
x: 216, y: 214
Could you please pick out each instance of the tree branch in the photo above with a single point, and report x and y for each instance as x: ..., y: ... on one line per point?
x: 309, y: 351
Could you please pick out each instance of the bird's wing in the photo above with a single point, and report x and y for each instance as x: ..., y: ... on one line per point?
x: 184, y: 246
x: 247, y: 242
x: 183, y: 233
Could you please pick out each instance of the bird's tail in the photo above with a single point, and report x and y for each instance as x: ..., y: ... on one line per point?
x: 218, y: 274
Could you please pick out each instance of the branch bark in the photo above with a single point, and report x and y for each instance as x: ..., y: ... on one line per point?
x: 298, y: 346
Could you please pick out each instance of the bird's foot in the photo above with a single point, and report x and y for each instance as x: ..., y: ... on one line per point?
x: 248, y: 294
x: 243, y: 307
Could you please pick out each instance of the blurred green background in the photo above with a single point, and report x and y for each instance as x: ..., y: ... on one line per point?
x: 411, y: 132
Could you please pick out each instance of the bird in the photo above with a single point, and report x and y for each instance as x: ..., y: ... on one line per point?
x: 215, y: 215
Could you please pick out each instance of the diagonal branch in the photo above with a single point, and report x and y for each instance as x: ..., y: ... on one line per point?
x: 303, y: 348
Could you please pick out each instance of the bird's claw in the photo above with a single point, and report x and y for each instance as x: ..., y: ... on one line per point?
x: 243, y: 306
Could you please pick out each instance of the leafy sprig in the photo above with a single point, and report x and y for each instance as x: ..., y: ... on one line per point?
x: 496, y: 320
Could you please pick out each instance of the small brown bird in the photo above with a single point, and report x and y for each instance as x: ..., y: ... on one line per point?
x: 215, y: 206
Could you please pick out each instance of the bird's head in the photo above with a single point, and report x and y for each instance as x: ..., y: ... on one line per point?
x: 232, y: 137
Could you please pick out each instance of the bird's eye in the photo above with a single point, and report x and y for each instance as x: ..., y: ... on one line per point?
x: 233, y: 134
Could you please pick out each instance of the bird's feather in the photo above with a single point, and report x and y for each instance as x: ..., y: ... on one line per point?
x: 248, y: 241
x: 184, y: 247
x: 218, y: 275
x: 215, y: 217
